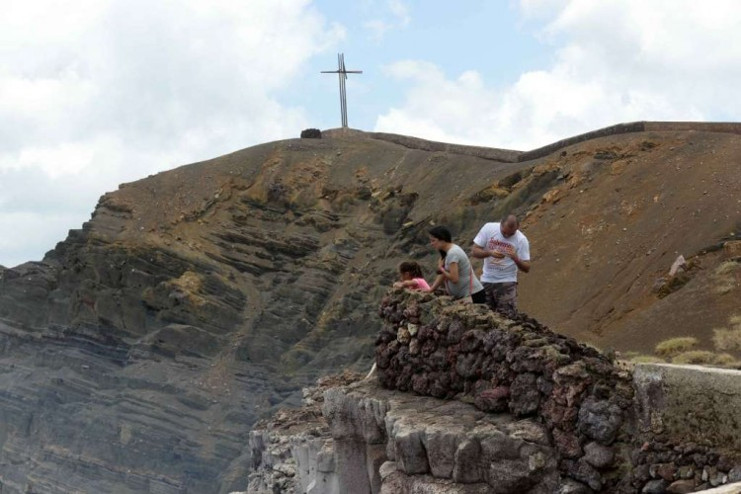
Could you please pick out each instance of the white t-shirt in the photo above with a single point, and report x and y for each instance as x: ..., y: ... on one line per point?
x: 501, y: 270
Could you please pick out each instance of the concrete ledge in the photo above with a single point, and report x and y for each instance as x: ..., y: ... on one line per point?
x: 690, y: 403
x: 724, y: 489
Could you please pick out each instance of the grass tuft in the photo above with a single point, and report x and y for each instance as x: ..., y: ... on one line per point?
x: 674, y: 346
x: 700, y: 357
x: 727, y: 267
x: 726, y: 281
x: 727, y: 340
x: 647, y: 359
x: 725, y: 360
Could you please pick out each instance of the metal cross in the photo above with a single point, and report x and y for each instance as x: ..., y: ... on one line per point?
x: 343, y: 76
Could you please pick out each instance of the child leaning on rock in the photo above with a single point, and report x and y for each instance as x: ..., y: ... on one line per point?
x: 411, y: 276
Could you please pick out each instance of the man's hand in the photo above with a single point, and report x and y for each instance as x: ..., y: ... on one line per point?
x: 497, y: 254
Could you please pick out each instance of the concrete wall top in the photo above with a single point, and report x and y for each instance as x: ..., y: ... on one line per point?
x: 512, y: 156
x: 724, y: 489
x: 690, y: 403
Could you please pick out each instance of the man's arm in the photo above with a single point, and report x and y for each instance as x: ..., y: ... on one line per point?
x: 480, y: 253
x: 523, y: 266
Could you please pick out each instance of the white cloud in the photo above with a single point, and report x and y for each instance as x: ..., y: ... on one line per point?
x: 35, y: 229
x: 377, y: 28
x: 394, y: 15
x: 400, y: 11
x: 98, y: 92
x: 614, y: 61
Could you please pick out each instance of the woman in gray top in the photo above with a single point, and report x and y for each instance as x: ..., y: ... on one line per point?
x: 454, y: 268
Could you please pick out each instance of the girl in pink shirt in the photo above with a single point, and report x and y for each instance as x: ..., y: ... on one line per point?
x: 411, y: 277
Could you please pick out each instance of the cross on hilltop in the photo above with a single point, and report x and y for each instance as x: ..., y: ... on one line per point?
x: 342, y: 72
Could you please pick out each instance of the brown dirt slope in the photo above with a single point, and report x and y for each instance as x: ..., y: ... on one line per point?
x: 626, y: 207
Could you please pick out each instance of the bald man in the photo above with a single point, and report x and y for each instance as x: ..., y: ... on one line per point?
x: 505, y: 250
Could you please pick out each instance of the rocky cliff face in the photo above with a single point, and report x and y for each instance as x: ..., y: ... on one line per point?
x: 138, y: 353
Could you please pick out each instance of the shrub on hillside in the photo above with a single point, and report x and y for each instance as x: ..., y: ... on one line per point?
x: 725, y: 277
x: 726, y: 360
x: 727, y: 340
x: 699, y: 357
x: 674, y: 346
x: 647, y: 359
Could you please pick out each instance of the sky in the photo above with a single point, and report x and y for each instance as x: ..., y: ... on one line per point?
x: 96, y: 93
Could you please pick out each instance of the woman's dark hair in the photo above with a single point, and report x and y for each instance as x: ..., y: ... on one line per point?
x: 411, y: 267
x: 441, y: 233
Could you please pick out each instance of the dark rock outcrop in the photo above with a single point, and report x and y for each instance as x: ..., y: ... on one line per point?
x: 311, y: 134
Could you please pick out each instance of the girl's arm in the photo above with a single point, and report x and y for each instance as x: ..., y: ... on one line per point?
x: 437, y: 283
x: 406, y: 284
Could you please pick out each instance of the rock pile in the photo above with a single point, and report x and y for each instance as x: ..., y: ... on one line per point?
x: 436, y: 348
x: 660, y: 467
x: 311, y: 134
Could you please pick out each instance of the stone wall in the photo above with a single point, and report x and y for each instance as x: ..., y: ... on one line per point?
x: 495, y: 154
x: 513, y: 156
x: 624, y: 128
x: 434, y: 347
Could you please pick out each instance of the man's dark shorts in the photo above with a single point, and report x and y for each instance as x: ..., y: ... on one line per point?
x: 502, y: 297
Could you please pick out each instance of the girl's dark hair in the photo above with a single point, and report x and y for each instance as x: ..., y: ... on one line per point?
x: 441, y: 233
x: 411, y: 267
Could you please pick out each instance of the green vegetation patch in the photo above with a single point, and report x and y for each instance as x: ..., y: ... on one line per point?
x: 726, y: 360
x: 675, y: 346
x: 647, y: 359
x: 700, y: 357
x: 727, y: 340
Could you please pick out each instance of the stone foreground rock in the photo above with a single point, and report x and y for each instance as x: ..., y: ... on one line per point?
x: 380, y: 441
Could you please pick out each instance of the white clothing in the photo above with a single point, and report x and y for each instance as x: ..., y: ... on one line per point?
x: 501, y: 270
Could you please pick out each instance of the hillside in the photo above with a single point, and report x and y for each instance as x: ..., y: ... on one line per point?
x: 140, y: 351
